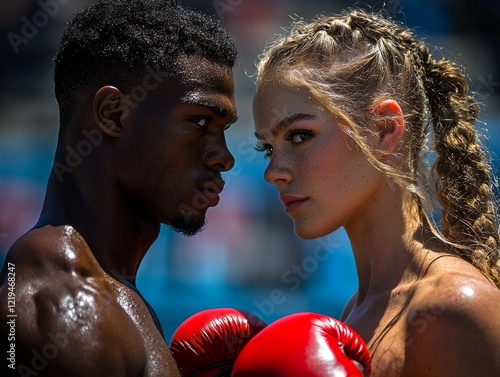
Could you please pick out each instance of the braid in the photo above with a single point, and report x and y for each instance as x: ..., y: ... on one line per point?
x: 464, y: 186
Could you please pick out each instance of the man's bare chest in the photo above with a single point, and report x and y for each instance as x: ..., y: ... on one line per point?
x: 159, y: 361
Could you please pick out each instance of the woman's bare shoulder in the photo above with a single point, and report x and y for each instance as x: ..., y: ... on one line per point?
x: 453, y: 324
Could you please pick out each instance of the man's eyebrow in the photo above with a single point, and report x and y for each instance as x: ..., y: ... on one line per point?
x: 287, y: 122
x: 216, y: 108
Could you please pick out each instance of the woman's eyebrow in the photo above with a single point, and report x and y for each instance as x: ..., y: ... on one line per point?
x: 287, y: 122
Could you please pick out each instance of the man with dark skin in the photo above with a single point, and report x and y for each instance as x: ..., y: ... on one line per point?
x: 145, y: 92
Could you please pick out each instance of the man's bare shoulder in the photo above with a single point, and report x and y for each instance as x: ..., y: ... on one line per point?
x: 453, y: 325
x: 64, y: 308
x: 60, y: 249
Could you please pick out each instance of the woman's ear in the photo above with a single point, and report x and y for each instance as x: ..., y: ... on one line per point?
x: 391, y: 125
x: 110, y: 110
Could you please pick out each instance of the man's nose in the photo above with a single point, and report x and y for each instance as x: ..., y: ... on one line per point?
x: 218, y: 157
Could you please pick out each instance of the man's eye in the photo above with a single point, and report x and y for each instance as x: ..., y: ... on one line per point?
x: 202, y: 122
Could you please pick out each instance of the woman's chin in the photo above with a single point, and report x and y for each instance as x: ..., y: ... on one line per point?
x: 308, y: 233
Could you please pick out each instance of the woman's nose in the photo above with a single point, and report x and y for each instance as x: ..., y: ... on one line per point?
x: 277, y: 173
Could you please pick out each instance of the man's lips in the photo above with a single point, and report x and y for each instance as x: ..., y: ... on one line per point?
x: 211, y: 191
x: 292, y: 202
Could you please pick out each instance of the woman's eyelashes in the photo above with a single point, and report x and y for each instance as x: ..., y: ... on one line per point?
x: 298, y: 136
x: 267, y: 148
x: 295, y: 137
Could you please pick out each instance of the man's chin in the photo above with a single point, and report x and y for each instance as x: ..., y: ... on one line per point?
x: 188, y: 226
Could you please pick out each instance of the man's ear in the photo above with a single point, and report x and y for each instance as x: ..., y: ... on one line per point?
x: 110, y: 110
x: 391, y: 125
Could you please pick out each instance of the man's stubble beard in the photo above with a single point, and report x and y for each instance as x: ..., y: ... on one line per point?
x: 188, y: 225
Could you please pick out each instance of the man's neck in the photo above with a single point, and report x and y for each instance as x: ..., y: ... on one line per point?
x: 115, y: 233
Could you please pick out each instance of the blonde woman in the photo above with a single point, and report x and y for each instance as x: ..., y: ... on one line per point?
x: 364, y: 129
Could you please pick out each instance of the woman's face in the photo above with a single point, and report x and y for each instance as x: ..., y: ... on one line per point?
x: 323, y: 178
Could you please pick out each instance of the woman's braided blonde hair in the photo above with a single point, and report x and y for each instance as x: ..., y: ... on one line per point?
x: 353, y: 61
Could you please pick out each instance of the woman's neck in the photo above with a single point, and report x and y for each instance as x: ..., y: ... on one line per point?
x: 391, y: 243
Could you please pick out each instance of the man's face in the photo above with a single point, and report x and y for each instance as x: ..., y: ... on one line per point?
x: 176, y: 147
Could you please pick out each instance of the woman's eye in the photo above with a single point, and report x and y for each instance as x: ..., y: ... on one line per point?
x: 267, y: 148
x: 299, y: 136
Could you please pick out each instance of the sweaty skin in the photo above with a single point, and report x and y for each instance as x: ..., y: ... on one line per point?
x: 420, y: 310
x: 159, y: 161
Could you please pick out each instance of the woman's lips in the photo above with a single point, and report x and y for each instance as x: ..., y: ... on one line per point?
x: 292, y: 202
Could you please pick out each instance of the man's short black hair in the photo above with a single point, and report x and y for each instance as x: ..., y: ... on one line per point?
x: 109, y: 41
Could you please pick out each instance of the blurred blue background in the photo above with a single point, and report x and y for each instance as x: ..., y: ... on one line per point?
x: 248, y: 257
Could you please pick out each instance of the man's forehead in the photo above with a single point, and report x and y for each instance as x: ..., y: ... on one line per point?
x: 207, y: 84
x: 197, y: 82
x: 199, y: 72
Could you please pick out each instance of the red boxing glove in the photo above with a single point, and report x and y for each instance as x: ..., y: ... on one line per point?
x: 207, y: 343
x: 304, y: 344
